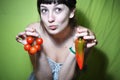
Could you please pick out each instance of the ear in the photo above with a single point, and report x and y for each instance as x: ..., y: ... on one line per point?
x: 72, y: 13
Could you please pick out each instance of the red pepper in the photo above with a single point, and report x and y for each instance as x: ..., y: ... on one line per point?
x: 79, y: 48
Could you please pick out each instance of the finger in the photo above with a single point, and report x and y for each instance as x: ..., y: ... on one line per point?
x: 79, y: 30
x: 81, y: 34
x: 35, y: 34
x: 90, y: 45
x: 78, y: 35
x: 93, y: 43
x: 30, y: 29
x: 96, y: 41
x: 20, y: 40
x: 21, y: 35
x: 17, y: 38
x: 89, y: 37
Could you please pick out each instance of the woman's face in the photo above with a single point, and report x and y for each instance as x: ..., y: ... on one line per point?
x: 55, y: 17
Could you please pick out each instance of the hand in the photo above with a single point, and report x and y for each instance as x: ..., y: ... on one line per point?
x: 87, y: 35
x: 29, y: 31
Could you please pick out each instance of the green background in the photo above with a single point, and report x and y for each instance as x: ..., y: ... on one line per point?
x: 101, y: 16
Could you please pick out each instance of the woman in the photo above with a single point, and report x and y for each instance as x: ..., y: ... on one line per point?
x: 58, y: 30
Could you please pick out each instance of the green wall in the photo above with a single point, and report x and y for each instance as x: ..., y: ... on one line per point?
x: 15, y: 15
x: 101, y: 16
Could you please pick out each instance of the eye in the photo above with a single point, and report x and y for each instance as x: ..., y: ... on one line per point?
x: 44, y: 11
x: 58, y: 10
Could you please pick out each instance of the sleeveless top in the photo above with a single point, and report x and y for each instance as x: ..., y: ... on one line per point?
x: 55, y: 67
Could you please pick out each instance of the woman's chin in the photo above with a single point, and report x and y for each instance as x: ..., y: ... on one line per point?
x: 53, y: 32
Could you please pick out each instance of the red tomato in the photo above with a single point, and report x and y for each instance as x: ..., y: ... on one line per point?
x: 32, y: 50
x: 39, y: 41
x: 30, y: 40
x: 27, y: 47
x: 37, y: 47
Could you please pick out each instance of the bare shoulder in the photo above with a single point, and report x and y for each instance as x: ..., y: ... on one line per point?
x: 34, y: 25
x: 37, y: 27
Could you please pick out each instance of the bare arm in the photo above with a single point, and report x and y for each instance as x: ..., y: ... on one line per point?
x: 43, y: 70
x: 68, y: 68
x: 39, y: 61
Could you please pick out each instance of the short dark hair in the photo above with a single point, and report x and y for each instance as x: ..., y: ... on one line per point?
x: 71, y: 4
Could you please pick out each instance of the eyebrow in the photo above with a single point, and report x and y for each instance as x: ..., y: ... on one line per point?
x: 43, y: 6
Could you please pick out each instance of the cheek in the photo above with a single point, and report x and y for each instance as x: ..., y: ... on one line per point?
x: 44, y: 19
x: 63, y: 19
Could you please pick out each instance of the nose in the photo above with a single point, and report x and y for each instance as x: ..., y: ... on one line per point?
x: 51, y: 17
